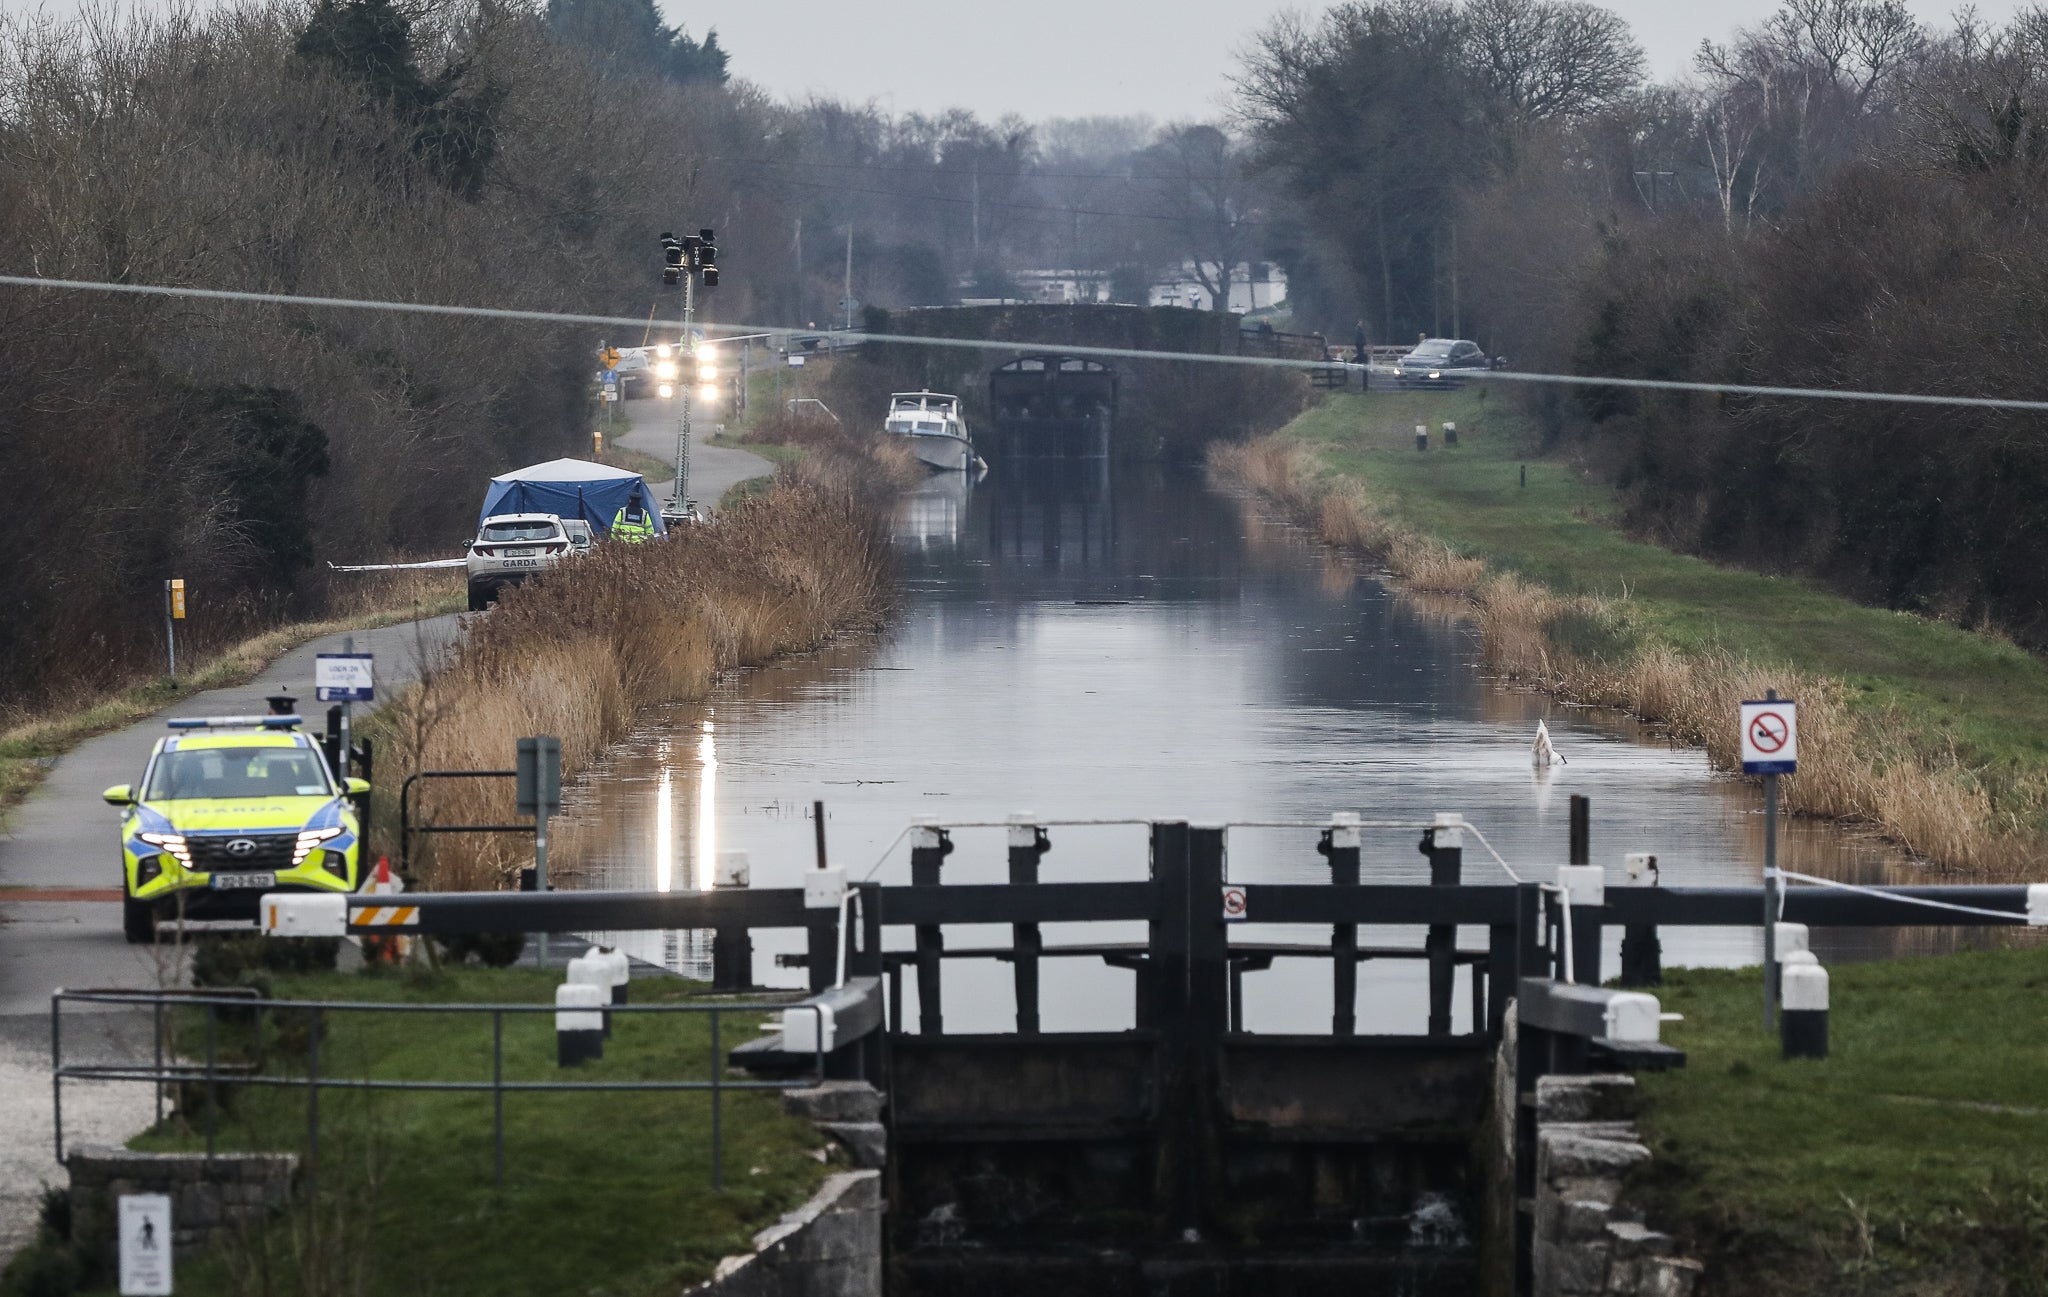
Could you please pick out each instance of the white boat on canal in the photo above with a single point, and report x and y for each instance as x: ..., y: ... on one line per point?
x: 931, y: 422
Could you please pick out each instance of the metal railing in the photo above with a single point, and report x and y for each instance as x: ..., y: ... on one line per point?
x: 212, y: 1073
x: 810, y: 405
x: 406, y: 828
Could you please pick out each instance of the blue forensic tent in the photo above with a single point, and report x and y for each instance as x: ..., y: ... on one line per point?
x: 572, y: 488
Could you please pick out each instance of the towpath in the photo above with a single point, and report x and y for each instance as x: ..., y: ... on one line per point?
x: 714, y: 470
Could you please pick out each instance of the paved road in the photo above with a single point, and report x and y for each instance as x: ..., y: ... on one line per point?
x: 714, y: 470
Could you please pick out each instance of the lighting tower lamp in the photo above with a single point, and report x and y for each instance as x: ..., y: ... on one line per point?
x: 688, y: 261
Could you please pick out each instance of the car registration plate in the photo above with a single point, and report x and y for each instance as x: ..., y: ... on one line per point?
x: 227, y: 882
x: 521, y: 553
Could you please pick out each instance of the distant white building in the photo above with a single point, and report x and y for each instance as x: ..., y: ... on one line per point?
x: 1255, y: 286
x: 1063, y: 285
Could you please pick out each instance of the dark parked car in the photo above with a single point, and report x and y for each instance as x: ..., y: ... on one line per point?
x: 1441, y: 362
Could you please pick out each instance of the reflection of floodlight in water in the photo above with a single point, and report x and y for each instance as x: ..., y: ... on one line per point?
x: 664, y: 831
x: 665, y: 391
x: 707, y: 822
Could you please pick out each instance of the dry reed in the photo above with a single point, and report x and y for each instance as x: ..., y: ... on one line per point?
x: 577, y: 652
x: 1853, y: 765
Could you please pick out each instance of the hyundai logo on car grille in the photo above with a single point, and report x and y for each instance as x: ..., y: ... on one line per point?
x: 242, y: 851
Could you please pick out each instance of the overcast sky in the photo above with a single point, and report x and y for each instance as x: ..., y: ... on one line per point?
x: 1074, y: 58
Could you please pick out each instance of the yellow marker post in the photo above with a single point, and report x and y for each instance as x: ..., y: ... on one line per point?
x: 174, y: 612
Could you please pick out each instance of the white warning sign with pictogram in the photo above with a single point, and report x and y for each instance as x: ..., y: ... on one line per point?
x: 1770, y: 737
x: 145, y: 1223
x: 1233, y: 904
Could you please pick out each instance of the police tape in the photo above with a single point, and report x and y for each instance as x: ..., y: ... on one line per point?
x: 384, y: 916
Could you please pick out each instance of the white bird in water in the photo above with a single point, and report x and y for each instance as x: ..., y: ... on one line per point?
x: 1541, y: 753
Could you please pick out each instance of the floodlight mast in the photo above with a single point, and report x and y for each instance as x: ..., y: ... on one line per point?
x: 683, y: 260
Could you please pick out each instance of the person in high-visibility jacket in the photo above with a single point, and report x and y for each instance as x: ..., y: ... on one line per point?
x: 632, y: 525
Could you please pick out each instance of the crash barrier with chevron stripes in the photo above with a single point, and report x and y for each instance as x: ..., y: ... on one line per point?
x: 383, y: 916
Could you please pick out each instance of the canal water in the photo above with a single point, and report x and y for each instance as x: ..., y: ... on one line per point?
x: 1094, y: 643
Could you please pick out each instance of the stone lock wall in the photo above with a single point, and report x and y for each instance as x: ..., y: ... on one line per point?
x: 1590, y: 1242
x: 832, y: 1245
x: 211, y: 1198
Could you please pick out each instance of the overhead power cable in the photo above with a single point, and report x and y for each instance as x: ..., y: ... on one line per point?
x: 1011, y: 344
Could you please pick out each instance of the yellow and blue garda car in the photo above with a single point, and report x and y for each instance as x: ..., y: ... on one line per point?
x: 230, y: 808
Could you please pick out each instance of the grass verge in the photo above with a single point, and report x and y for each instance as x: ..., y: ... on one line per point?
x: 604, y: 1192
x: 1936, y: 734
x: 654, y: 468
x: 29, y: 743
x: 1908, y: 1162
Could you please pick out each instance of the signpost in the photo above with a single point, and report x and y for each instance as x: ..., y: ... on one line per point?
x: 1770, y: 747
x: 348, y: 678
x: 174, y: 612
x: 145, y: 1225
x: 538, y: 792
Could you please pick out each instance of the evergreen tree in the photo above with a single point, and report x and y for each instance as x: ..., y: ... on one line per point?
x: 629, y: 35
x: 453, y: 122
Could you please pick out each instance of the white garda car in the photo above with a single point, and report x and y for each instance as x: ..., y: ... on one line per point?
x: 510, y: 547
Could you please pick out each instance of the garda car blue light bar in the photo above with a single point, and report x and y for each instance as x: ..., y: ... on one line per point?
x: 234, y: 722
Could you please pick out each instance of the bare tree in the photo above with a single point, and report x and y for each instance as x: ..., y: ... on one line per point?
x: 1545, y: 59
x: 1789, y: 101
x: 1198, y: 179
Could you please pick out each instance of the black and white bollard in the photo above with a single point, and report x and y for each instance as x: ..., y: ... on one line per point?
x: 592, y: 969
x: 1450, y: 434
x: 1803, y: 1006
x: 619, y: 969
x: 1791, y: 939
x: 1422, y: 436
x: 579, y: 1023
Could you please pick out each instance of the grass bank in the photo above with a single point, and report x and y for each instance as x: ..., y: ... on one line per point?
x: 577, y: 652
x: 1936, y: 734
x: 30, y: 742
x: 604, y: 1192
x: 1906, y: 1163
x: 654, y: 468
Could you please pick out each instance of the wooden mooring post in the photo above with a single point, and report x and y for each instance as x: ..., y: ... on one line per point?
x: 1340, y: 845
x: 1445, y: 847
x: 929, y: 848
x: 1028, y: 845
